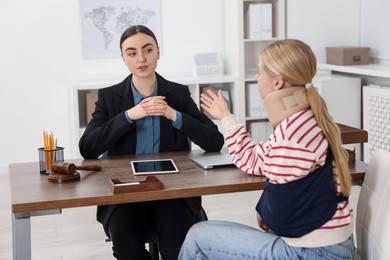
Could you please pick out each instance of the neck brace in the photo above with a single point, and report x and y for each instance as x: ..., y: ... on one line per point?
x: 283, y: 103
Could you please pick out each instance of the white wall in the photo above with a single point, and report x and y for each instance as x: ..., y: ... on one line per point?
x: 324, y: 23
x: 41, y: 56
x: 374, y: 28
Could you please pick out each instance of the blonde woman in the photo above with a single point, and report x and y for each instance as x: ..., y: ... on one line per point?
x: 304, y: 212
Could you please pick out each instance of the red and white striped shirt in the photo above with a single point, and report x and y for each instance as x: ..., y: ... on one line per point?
x: 295, y: 148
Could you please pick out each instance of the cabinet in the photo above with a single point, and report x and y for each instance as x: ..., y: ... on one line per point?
x: 242, y: 52
x: 86, y: 90
x: 375, y: 101
x: 342, y: 95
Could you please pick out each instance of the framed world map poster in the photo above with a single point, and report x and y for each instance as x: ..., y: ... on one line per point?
x: 104, y: 21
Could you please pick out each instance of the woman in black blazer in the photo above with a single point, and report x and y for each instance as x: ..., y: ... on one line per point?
x: 146, y: 113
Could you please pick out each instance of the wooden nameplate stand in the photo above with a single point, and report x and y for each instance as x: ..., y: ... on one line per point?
x: 56, y: 177
x: 149, y: 184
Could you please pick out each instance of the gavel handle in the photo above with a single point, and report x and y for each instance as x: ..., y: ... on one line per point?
x: 95, y: 168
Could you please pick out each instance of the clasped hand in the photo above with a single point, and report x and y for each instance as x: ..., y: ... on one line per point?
x: 152, y: 106
x: 215, y: 104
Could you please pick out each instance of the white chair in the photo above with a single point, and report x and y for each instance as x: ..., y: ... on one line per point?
x: 373, y: 210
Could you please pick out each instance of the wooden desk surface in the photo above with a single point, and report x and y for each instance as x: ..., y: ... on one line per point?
x: 31, y: 191
x: 352, y: 135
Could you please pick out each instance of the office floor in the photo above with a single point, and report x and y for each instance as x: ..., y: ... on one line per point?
x: 76, y: 235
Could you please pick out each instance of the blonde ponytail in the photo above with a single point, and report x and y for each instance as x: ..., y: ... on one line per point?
x: 332, y: 134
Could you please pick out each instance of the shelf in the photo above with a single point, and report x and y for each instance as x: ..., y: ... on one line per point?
x: 242, y: 55
x: 202, y: 79
x: 251, y: 78
x: 80, y: 91
x: 263, y: 40
x: 373, y: 70
x: 256, y: 119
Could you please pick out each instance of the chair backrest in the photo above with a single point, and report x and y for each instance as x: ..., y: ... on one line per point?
x: 373, y: 210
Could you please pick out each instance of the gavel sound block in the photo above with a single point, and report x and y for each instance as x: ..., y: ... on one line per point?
x: 63, y: 172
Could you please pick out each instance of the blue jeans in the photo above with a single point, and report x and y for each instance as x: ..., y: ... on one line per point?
x: 222, y: 240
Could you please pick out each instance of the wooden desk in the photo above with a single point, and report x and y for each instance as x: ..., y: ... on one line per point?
x: 33, y: 195
x: 352, y: 135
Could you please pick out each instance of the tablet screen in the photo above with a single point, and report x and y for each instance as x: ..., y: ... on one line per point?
x: 154, y: 166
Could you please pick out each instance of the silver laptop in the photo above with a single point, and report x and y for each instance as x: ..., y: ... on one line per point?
x: 211, y: 161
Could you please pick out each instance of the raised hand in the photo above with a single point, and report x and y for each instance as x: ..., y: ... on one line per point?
x: 215, y: 104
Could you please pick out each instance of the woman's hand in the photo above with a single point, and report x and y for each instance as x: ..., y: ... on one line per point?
x: 261, y: 224
x: 151, y: 106
x: 216, y: 105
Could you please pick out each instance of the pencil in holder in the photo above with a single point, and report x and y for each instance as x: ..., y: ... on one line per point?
x: 47, y: 157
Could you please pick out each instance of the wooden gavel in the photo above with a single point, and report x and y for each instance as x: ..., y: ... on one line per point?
x: 70, y: 168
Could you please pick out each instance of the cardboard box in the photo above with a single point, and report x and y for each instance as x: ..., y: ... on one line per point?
x: 348, y: 55
x: 90, y: 99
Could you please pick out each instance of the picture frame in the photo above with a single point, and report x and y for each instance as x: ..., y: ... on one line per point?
x: 104, y: 21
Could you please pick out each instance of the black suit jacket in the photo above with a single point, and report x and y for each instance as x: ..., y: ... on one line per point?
x: 109, y: 132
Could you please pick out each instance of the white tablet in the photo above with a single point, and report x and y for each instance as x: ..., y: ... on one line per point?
x: 159, y: 166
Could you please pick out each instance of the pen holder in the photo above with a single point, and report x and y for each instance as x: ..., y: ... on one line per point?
x: 47, y: 157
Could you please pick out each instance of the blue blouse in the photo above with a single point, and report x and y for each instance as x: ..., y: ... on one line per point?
x: 148, y: 128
